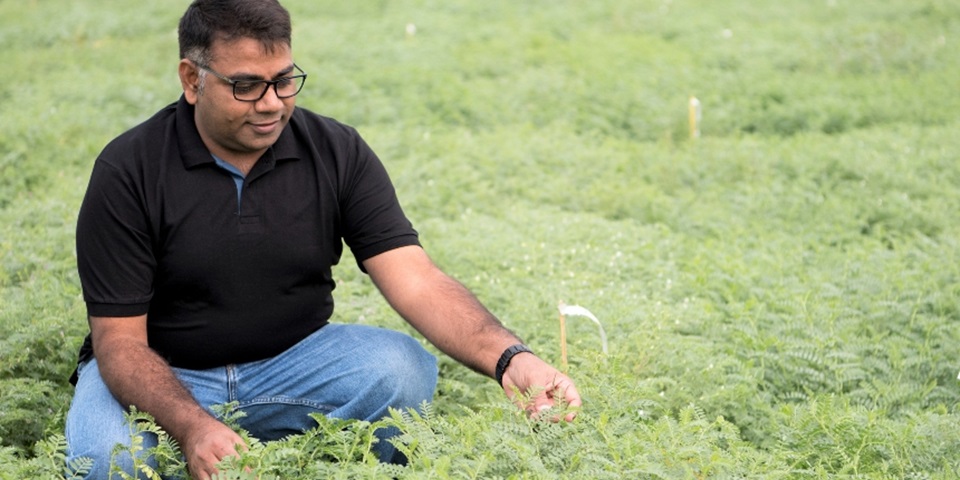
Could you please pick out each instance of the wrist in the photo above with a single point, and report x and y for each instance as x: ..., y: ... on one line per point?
x: 506, y: 357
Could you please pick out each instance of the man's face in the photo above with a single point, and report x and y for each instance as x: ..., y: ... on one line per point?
x: 233, y: 130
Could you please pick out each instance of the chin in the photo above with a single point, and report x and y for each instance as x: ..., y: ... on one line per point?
x: 260, y: 144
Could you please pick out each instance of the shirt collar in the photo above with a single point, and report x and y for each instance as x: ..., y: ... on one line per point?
x: 194, y: 153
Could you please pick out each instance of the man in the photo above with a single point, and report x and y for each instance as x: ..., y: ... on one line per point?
x: 205, y: 244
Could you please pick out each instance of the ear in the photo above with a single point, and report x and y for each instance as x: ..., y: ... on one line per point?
x: 189, y: 80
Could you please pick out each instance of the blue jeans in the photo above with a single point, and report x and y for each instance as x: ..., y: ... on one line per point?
x: 341, y: 371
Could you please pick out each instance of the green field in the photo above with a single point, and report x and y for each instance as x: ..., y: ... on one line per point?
x: 781, y: 295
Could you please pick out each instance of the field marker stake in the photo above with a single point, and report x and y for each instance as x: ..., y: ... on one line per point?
x: 694, y: 115
x: 576, y: 311
x: 563, y: 340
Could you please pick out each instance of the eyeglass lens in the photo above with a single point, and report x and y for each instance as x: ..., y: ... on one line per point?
x: 253, y: 91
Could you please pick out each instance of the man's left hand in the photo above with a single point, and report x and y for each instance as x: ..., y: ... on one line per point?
x: 528, y: 374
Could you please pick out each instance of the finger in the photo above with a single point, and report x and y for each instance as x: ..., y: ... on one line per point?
x: 562, y: 390
x: 574, y: 400
x: 571, y: 395
x: 205, y: 468
x: 198, y: 473
x: 206, y: 472
x: 542, y: 402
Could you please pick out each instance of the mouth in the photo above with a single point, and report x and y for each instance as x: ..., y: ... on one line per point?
x: 265, y: 128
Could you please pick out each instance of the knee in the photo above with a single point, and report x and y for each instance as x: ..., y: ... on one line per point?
x: 406, y: 370
x: 106, y: 451
x: 96, y: 425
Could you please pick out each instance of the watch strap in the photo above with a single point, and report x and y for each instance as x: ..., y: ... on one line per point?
x: 505, y: 358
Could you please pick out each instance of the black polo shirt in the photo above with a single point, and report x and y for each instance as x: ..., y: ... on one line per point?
x: 160, y: 232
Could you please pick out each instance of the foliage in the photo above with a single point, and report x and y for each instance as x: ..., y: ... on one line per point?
x: 48, y: 462
x: 781, y: 295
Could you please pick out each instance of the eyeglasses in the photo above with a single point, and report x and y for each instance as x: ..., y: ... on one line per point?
x: 254, y: 90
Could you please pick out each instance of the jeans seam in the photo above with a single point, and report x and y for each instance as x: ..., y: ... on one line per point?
x: 231, y: 383
x: 288, y: 401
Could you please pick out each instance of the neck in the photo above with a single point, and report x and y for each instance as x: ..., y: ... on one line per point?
x: 244, y: 164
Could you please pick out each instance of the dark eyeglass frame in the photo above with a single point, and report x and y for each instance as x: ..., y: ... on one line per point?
x: 251, y: 83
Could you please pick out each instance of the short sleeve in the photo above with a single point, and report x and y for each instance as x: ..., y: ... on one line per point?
x: 115, y: 256
x: 372, y: 218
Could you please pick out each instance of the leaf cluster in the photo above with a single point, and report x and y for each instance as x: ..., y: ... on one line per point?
x: 781, y: 294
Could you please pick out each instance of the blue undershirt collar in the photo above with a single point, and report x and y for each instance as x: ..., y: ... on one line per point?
x: 234, y: 173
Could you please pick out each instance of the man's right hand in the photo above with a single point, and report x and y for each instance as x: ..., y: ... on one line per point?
x: 137, y: 376
x: 207, y: 445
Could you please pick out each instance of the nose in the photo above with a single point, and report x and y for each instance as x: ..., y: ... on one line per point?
x: 269, y: 102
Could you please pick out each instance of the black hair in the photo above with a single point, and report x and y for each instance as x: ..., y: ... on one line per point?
x: 207, y: 21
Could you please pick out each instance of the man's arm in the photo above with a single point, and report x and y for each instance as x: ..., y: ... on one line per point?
x: 452, y: 318
x: 137, y: 376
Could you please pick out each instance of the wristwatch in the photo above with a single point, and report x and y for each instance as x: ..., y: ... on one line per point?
x: 505, y: 358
